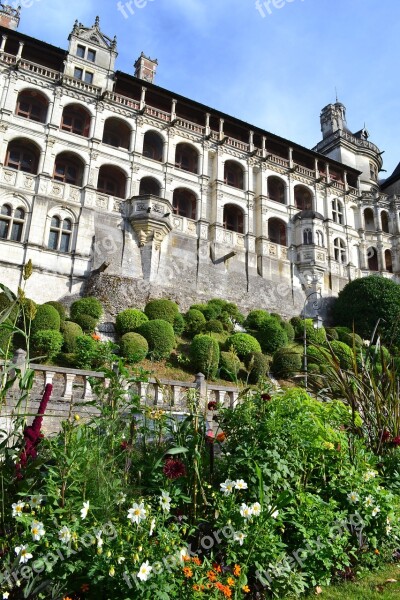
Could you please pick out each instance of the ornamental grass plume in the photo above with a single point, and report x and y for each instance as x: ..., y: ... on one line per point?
x: 32, y: 433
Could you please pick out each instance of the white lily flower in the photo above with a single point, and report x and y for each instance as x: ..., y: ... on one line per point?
x: 369, y: 501
x: 165, y: 501
x: 17, y: 508
x: 121, y: 497
x: 64, y: 535
x: 144, y: 571
x: 238, y: 536
x: 353, y: 497
x: 85, y: 510
x: 256, y: 509
x: 246, y: 511
x: 120, y: 560
x: 369, y: 475
x: 6, y: 595
x: 227, y: 487
x: 37, y: 530
x: 36, y: 500
x: 137, y: 513
x: 240, y: 484
x: 24, y: 555
x: 375, y: 511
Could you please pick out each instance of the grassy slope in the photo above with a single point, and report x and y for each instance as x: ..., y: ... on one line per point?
x: 371, y: 587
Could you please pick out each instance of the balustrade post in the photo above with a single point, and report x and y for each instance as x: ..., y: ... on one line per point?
x: 69, y: 380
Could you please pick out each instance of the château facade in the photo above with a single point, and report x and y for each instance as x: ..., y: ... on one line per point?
x: 114, y: 186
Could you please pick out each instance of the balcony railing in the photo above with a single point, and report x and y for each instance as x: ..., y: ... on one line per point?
x: 122, y: 100
x: 39, y: 70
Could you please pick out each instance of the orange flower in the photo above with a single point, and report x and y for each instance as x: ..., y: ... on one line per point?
x: 220, y: 586
x: 211, y: 576
x: 196, y: 561
x: 246, y: 589
x: 230, y: 581
x: 221, y: 437
x: 376, y: 551
x: 84, y: 587
x: 236, y: 570
x: 186, y: 558
x: 96, y: 337
x: 187, y: 571
x: 217, y: 568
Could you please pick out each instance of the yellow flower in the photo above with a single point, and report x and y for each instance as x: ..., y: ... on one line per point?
x: 111, y: 572
x: 246, y: 589
x: 329, y: 446
x: 76, y: 417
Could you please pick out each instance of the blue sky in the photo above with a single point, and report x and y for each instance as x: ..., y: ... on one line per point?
x: 276, y: 71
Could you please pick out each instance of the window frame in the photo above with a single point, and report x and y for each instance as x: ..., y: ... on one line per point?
x: 60, y: 233
x: 13, y: 223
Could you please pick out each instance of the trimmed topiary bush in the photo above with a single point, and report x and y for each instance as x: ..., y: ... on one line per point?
x: 160, y: 337
x: 134, y: 347
x: 178, y: 324
x: 254, y: 319
x: 86, y: 352
x: 46, y: 318
x: 286, y: 362
x: 243, y: 343
x: 288, y: 327
x: 347, y: 336
x: 87, y: 322
x: 343, y: 353
x: 331, y: 333
x: 59, y: 308
x: 214, y: 325
x: 204, y: 355
x: 47, y: 343
x: 70, y: 331
x: 229, y: 365
x: 315, y: 336
x: 298, y: 326
x: 161, y: 309
x: 195, y: 321
x: 87, y: 306
x: 363, y: 301
x: 129, y: 320
x: 271, y: 336
x: 257, y: 365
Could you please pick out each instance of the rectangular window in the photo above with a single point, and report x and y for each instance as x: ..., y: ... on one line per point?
x: 53, y: 240
x: 91, y: 55
x: 16, y: 232
x: 88, y: 77
x: 80, y: 51
x: 4, y: 229
x: 64, y: 246
x: 78, y: 73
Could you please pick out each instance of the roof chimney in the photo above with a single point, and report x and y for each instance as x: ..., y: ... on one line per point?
x: 145, y: 68
x: 9, y: 17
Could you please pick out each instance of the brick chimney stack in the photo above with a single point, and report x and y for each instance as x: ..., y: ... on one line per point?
x: 145, y: 68
x: 9, y: 16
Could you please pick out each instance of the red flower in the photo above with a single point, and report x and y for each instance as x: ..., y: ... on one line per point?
x: 396, y: 441
x: 174, y: 468
x: 265, y: 397
x: 32, y: 434
x: 212, y: 405
x: 385, y: 435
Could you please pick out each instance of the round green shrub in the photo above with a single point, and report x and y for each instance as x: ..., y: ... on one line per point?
x: 288, y: 327
x: 343, y: 353
x: 87, y: 306
x: 298, y: 326
x: 87, y: 322
x: 363, y: 301
x: 59, y: 308
x: 286, y: 362
x: 214, y: 325
x: 254, y: 319
x: 161, y: 309
x: 195, y: 321
x: 46, y: 318
x: 229, y: 364
x: 211, y: 312
x: 134, y: 347
x: 200, y: 307
x: 243, y: 344
x: 271, y: 336
x: 317, y: 355
x: 331, y: 333
x: 347, y: 336
x: 70, y: 331
x: 277, y: 317
x: 204, y: 355
x: 315, y: 336
x: 129, y: 320
x: 257, y: 364
x: 178, y: 324
x: 86, y: 352
x: 47, y: 343
x: 226, y: 319
x: 160, y: 337
x: 217, y: 305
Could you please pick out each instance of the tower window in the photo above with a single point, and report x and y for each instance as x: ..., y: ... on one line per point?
x: 307, y: 236
x: 337, y: 211
x: 91, y: 55
x: 339, y: 248
x: 78, y: 73
x: 80, y: 51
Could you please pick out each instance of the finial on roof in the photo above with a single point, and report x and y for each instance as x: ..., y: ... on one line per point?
x: 97, y: 21
x: 337, y: 99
